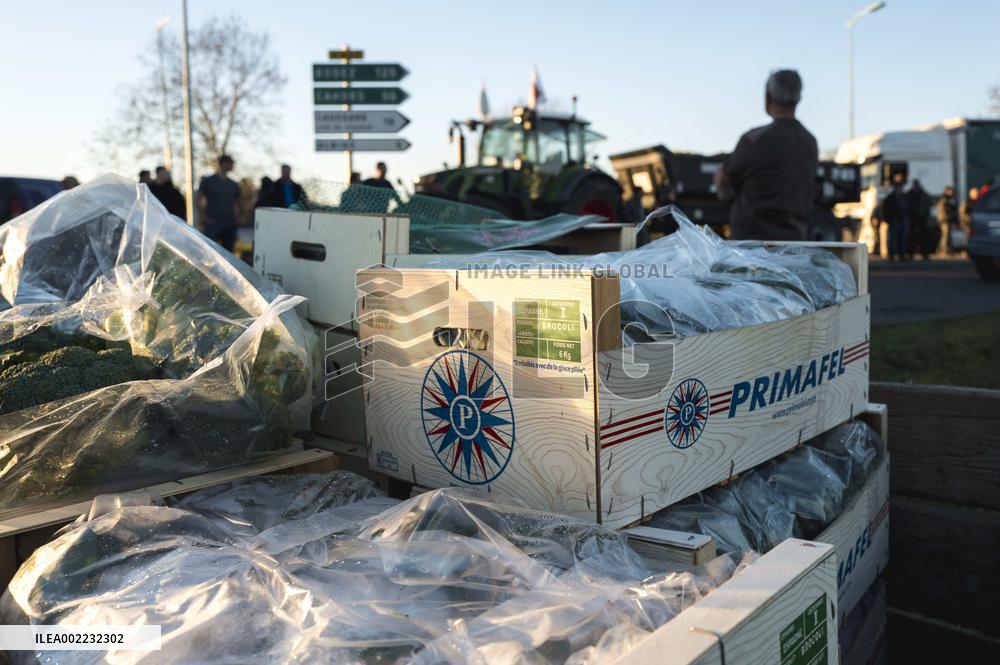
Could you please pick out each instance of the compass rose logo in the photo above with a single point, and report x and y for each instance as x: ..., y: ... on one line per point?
x: 467, y: 417
x: 687, y: 413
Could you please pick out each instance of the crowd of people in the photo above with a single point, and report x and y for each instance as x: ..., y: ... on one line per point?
x: 918, y: 225
x: 220, y: 200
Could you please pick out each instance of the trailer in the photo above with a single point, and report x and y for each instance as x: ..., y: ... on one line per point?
x: 659, y: 176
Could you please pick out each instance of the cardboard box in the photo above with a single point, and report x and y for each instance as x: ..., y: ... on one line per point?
x: 516, y: 381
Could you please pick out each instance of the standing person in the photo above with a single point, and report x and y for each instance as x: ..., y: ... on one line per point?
x: 771, y: 175
x: 380, y: 180
x: 163, y: 188
x: 286, y: 192
x: 144, y: 178
x: 69, y: 182
x: 923, y: 232
x: 265, y: 193
x: 219, y: 204
x: 947, y: 219
x: 966, y: 209
x: 896, y: 215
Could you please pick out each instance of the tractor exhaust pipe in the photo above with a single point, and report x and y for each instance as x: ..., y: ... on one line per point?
x: 459, y: 144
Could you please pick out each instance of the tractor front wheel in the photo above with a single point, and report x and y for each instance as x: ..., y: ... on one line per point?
x: 596, y: 196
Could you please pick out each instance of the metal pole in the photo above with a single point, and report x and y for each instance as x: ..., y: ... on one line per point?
x: 850, y: 80
x: 167, y: 156
x: 186, y: 85
x: 348, y: 155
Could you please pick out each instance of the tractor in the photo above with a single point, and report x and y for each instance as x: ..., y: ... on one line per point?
x: 531, y: 165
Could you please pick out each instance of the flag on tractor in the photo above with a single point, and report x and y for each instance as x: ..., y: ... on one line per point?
x: 484, y: 103
x: 537, y: 95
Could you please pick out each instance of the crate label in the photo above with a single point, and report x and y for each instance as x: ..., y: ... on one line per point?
x: 386, y: 460
x: 804, y: 641
x: 547, y: 330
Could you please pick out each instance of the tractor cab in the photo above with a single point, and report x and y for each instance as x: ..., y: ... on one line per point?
x: 548, y: 143
x: 530, y: 165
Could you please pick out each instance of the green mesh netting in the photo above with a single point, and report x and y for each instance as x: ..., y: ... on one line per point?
x: 440, y: 226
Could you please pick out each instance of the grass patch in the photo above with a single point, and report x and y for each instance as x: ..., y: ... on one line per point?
x: 958, y: 351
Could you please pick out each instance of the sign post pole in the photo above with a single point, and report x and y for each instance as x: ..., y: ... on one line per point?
x: 348, y: 155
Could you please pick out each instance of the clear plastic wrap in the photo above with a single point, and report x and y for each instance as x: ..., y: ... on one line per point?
x: 321, y: 569
x: 133, y: 350
x: 692, y: 281
x: 795, y: 495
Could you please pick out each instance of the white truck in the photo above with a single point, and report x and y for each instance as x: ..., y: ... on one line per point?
x: 961, y: 152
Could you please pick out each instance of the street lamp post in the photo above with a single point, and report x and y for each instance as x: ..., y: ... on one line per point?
x: 186, y: 91
x: 874, y: 7
x: 167, y: 156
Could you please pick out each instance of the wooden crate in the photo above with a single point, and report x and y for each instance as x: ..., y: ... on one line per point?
x: 341, y: 417
x: 316, y: 254
x: 23, y: 533
x: 580, y: 436
x: 860, y: 535
x: 782, y: 609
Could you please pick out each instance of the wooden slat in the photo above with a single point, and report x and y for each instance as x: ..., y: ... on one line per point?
x: 607, y: 325
x: 665, y: 549
x: 947, y: 442
x: 749, y: 612
x: 68, y: 512
x: 944, y: 561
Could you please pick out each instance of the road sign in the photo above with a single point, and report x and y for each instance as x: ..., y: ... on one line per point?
x: 360, y: 122
x: 359, y: 95
x: 346, y: 54
x: 369, y: 71
x: 362, y: 145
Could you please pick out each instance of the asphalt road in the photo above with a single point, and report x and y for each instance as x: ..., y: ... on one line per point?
x: 921, y: 290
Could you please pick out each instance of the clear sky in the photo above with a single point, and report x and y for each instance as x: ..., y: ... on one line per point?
x: 685, y: 74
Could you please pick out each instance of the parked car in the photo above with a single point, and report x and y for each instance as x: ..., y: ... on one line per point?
x: 18, y: 195
x: 984, y: 236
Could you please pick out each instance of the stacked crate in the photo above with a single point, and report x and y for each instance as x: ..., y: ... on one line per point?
x: 317, y: 255
x: 573, y: 427
x: 576, y: 422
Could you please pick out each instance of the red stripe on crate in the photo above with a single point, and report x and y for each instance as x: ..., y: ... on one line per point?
x: 879, y: 518
x: 854, y: 352
x: 856, y: 346
x: 615, y: 442
x: 719, y: 409
x: 645, y: 423
x: 857, y: 357
x: 725, y: 394
x: 658, y: 412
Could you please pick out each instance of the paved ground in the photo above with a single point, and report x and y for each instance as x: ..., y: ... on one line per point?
x: 920, y: 290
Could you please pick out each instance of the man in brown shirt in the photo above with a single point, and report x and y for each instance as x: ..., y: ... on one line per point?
x: 771, y: 175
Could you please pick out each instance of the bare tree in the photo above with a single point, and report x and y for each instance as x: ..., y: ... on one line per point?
x: 994, y: 93
x: 236, y: 86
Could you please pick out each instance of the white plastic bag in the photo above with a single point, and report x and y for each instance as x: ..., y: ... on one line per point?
x: 225, y: 374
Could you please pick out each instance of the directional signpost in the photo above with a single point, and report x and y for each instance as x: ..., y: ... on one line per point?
x: 360, y: 122
x: 340, y: 96
x: 362, y: 145
x: 368, y: 72
x: 348, y: 121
